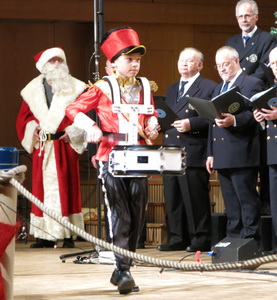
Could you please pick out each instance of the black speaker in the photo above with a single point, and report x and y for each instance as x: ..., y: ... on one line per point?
x: 235, y: 249
x: 266, y: 233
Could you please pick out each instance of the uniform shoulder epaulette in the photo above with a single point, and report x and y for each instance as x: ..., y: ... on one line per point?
x: 154, y: 86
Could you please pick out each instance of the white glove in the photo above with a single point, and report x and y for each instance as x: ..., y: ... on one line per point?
x: 94, y: 134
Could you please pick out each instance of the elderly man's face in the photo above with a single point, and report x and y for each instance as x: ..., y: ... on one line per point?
x: 273, y: 61
x: 227, y: 66
x: 246, y: 17
x: 55, y: 60
x: 189, y: 64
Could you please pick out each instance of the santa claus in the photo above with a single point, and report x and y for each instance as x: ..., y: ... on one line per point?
x: 54, y: 142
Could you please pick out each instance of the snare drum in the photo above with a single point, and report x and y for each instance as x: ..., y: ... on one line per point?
x: 143, y: 160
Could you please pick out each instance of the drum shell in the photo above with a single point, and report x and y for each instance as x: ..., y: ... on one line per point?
x: 143, y: 160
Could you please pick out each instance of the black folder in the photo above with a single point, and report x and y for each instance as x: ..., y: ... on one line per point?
x: 268, y: 73
x: 227, y: 102
x: 264, y: 99
x: 165, y: 114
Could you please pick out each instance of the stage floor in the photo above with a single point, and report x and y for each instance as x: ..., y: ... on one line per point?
x: 40, y: 274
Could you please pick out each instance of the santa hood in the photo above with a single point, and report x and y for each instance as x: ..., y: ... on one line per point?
x: 50, y: 119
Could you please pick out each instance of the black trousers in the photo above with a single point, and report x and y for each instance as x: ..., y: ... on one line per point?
x: 273, y: 195
x: 126, y: 200
x: 188, y: 207
x: 242, y: 201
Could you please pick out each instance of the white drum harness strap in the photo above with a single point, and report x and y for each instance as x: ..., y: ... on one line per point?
x: 133, y: 110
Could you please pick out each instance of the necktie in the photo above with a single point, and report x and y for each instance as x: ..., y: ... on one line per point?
x: 181, y: 90
x: 246, y: 38
x: 225, y: 87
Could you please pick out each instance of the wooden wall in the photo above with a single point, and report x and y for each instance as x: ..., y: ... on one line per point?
x: 165, y: 27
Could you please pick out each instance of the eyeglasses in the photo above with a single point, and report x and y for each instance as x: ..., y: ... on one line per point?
x: 222, y: 66
x: 186, y: 62
x: 247, y: 17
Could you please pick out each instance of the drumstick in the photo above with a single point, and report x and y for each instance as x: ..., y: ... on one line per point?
x: 114, y: 136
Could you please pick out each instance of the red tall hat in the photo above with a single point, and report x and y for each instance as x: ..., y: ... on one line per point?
x: 44, y: 56
x: 119, y: 40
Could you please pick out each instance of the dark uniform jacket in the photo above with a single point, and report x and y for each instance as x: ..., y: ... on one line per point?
x: 257, y: 50
x: 237, y: 147
x: 271, y: 130
x: 194, y: 141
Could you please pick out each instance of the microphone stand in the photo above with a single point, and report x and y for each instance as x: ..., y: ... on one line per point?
x: 98, y: 35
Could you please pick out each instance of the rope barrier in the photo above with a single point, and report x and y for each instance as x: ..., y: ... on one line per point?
x: 246, y: 264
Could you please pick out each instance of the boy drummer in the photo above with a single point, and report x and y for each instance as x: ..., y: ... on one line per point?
x: 125, y: 197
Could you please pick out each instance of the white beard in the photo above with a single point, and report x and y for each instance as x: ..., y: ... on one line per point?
x: 58, y: 77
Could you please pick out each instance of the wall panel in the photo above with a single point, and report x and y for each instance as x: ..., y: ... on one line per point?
x: 164, y: 26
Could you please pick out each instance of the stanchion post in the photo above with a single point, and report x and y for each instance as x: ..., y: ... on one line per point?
x: 8, y: 197
x: 8, y: 208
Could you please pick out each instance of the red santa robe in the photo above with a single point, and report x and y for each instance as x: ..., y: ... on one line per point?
x: 55, y: 171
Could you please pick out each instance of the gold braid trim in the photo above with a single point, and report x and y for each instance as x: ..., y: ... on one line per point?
x: 89, y: 85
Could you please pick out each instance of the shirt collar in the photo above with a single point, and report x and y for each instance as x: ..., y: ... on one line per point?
x: 191, y: 79
x: 235, y: 78
x: 125, y: 82
x: 250, y: 34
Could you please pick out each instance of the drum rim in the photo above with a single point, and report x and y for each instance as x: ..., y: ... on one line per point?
x: 146, y: 147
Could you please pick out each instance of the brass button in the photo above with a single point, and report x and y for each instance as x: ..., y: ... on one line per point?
x: 267, y: 126
x: 187, y: 110
x: 214, y: 139
x: 222, y: 139
x: 268, y: 137
x: 178, y: 136
x: 166, y: 136
x: 244, y: 69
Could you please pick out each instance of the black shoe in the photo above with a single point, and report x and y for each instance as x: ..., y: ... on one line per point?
x: 193, y: 248
x: 124, y: 281
x: 171, y: 247
x: 41, y: 243
x: 68, y: 243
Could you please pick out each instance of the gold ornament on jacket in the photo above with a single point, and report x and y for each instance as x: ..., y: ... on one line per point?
x: 89, y: 85
x: 154, y: 86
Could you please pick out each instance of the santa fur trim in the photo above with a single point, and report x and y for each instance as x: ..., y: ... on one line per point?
x: 47, y: 55
x: 29, y: 141
x: 49, y: 119
x: 77, y: 138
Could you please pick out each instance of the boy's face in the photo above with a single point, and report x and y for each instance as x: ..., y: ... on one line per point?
x: 127, y: 65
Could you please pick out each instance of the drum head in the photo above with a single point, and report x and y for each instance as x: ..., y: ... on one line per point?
x: 172, y: 147
x: 136, y: 147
